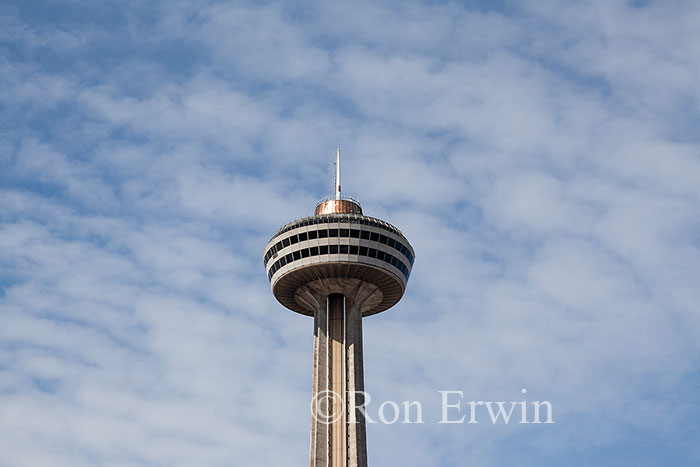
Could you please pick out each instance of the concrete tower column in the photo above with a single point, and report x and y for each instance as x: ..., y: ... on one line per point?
x: 338, y: 436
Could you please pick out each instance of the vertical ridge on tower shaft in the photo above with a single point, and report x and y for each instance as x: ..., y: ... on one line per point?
x: 337, y: 364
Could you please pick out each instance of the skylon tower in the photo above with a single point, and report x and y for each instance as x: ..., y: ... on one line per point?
x: 338, y: 266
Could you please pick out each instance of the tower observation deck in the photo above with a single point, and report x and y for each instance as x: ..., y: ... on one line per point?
x: 338, y: 266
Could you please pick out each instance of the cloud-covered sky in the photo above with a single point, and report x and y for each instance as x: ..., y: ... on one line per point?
x: 542, y: 157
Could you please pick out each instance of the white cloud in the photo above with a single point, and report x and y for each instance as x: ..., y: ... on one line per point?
x: 542, y: 160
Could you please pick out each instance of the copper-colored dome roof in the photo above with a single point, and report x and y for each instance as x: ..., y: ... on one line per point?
x: 333, y: 205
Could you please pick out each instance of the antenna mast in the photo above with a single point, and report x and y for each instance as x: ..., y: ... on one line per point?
x: 337, y: 173
x: 335, y: 203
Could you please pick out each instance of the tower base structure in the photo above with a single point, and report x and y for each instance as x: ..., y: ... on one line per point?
x: 338, y: 431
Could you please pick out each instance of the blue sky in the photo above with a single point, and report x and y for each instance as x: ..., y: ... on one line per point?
x: 542, y: 157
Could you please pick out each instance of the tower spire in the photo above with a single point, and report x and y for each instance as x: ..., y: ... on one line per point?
x: 335, y: 203
x: 337, y: 173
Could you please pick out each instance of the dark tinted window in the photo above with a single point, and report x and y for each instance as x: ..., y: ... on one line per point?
x: 344, y: 249
x: 333, y: 249
x: 332, y: 232
x: 323, y: 250
x: 344, y: 232
x: 302, y: 236
x: 322, y: 233
x: 314, y: 251
x: 285, y: 242
x: 305, y: 253
x: 394, y: 261
x: 283, y: 261
x: 374, y: 237
x: 312, y: 234
x: 363, y: 251
x: 278, y: 246
x: 372, y: 253
x: 353, y: 249
x: 365, y: 234
x: 289, y: 258
x: 297, y: 255
x: 354, y: 233
x: 380, y: 254
x: 382, y: 239
x: 390, y: 242
x: 293, y: 239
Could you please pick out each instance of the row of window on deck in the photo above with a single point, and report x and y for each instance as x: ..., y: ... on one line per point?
x: 325, y: 219
x: 342, y: 249
x: 351, y: 233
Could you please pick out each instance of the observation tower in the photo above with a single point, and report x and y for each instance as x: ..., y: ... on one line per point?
x: 338, y: 266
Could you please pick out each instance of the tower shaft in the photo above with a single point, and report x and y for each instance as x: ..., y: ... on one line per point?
x: 338, y: 437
